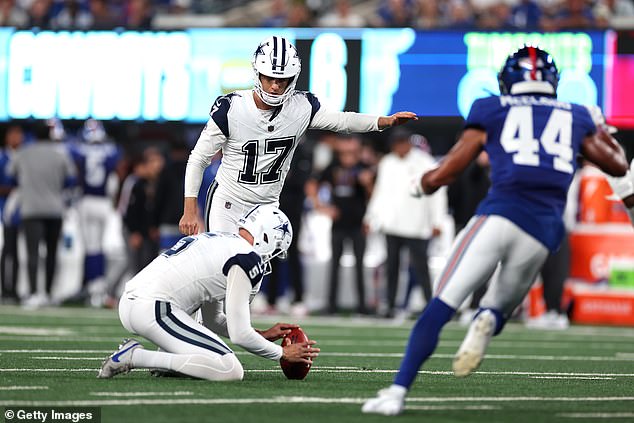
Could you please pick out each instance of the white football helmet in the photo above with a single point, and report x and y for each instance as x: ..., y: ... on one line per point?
x: 271, y: 230
x: 56, y: 129
x: 93, y: 131
x: 276, y: 57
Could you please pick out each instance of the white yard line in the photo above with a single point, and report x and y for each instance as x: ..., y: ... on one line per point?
x: 398, y: 355
x: 114, y: 339
x: 489, y: 356
x: 23, y: 351
x: 328, y: 369
x: 572, y: 377
x: 297, y: 400
x: 68, y: 358
x: 142, y: 394
x: 597, y: 415
x: 450, y: 408
x: 23, y: 388
x: 39, y: 331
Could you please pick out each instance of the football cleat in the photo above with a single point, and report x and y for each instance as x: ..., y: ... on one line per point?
x: 120, y: 361
x: 471, y: 352
x: 389, y: 401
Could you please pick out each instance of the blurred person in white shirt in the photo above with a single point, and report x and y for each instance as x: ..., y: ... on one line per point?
x: 406, y: 221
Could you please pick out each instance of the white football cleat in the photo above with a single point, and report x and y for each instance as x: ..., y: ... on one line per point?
x: 472, y: 349
x: 120, y: 360
x: 389, y: 401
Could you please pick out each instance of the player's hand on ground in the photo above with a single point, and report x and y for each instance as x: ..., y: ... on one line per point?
x: 280, y: 330
x: 396, y: 119
x: 302, y: 352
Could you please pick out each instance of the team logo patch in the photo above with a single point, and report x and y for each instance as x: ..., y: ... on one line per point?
x: 227, y: 205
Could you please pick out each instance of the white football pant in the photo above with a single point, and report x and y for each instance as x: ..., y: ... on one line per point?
x: 480, y: 246
x: 187, y: 347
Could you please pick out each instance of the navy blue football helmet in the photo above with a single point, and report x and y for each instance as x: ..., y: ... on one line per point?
x: 530, y: 70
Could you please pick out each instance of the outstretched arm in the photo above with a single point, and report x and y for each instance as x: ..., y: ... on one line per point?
x: 464, y: 152
x: 357, y: 122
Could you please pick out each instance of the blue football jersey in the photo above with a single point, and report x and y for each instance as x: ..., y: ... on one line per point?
x: 532, y: 142
x: 95, y: 163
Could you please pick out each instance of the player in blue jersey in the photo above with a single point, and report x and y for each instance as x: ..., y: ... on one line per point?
x: 96, y: 158
x: 532, y: 140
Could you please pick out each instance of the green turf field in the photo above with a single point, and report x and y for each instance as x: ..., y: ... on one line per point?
x: 50, y: 357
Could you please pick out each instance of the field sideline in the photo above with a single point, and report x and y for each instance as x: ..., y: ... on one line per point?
x: 50, y: 357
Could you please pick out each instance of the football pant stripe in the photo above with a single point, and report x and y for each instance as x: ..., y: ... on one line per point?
x: 210, y: 195
x: 454, y: 261
x: 179, y: 330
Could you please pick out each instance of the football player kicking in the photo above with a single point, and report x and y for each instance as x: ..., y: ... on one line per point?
x: 532, y: 140
x: 258, y: 131
x: 223, y: 269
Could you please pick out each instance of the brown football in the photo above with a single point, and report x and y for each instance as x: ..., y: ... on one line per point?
x: 294, y: 370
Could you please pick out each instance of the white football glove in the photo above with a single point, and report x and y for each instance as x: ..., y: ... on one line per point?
x: 623, y: 186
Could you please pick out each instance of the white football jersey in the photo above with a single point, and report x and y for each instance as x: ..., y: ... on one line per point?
x: 195, y: 270
x: 257, y: 145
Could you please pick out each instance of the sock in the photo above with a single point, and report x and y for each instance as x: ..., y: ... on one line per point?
x: 151, y: 359
x: 423, y: 340
x: 225, y: 367
x: 500, y: 321
x: 94, y: 266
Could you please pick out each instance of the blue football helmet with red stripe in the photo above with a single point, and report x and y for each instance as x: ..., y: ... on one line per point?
x: 530, y: 70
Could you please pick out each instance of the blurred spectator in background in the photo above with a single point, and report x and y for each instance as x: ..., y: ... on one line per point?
x: 9, y: 204
x: 138, y: 15
x: 136, y: 204
x: 278, y: 16
x: 40, y: 14
x: 41, y: 200
x: 496, y: 17
x: 429, y: 15
x: 460, y: 16
x: 394, y: 14
x: 73, y: 15
x: 299, y: 15
x: 350, y: 183
x: 12, y: 15
x: 572, y: 14
x: 342, y: 17
x: 606, y: 10
x: 406, y: 221
x: 170, y: 189
x: 102, y: 17
x: 96, y: 157
x: 292, y: 200
x: 526, y: 15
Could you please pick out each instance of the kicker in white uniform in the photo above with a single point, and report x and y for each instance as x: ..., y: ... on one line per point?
x: 257, y: 131
x: 223, y: 269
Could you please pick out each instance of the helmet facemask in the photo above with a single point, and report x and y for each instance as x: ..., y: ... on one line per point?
x: 275, y: 57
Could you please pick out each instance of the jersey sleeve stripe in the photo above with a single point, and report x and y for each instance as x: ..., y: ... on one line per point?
x: 168, y: 322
